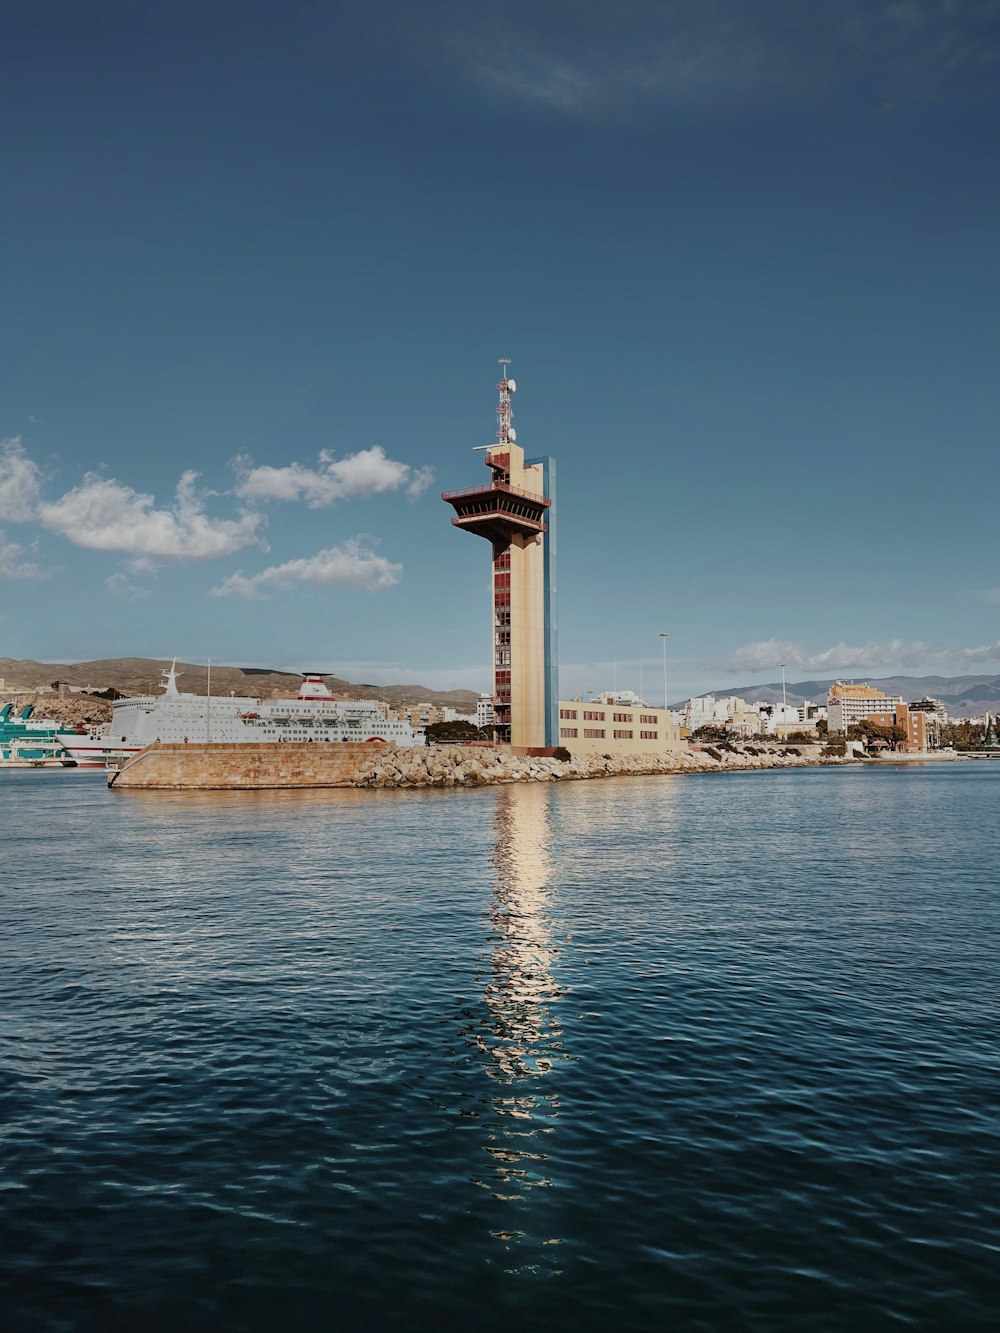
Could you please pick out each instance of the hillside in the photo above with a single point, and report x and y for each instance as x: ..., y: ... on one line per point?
x: 141, y: 675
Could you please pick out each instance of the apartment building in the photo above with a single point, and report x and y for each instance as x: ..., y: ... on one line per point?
x: 848, y: 704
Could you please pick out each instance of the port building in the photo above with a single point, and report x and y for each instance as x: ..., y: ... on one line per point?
x: 615, y: 724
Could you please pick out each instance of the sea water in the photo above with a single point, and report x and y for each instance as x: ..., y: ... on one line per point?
x: 696, y: 1052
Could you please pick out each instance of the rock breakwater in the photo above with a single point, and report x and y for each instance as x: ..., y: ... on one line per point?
x: 460, y: 766
x: 281, y: 765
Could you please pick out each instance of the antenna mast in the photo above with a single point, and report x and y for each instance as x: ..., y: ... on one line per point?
x: 506, y: 433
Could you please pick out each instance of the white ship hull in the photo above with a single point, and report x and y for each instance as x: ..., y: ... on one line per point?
x: 95, y: 751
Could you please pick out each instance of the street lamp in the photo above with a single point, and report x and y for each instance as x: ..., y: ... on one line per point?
x: 666, y: 720
x: 784, y: 700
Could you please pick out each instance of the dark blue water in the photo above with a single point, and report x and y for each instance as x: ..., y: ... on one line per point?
x: 662, y: 1053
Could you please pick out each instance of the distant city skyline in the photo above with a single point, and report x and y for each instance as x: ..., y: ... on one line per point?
x: 262, y: 264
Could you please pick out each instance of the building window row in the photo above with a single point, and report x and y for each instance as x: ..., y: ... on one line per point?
x: 594, y: 733
x: 569, y: 713
x: 568, y: 731
x: 623, y: 735
x: 648, y: 718
x: 648, y: 736
x: 623, y: 717
x: 593, y: 717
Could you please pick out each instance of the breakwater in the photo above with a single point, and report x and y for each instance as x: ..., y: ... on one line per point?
x: 213, y: 767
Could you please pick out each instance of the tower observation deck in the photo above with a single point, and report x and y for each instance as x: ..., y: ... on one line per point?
x: 514, y: 512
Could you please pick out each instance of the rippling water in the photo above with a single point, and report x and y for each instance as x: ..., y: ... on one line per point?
x: 697, y: 1052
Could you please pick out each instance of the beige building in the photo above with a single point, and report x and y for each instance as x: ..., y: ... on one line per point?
x: 608, y: 724
x: 745, y: 721
x: 418, y: 715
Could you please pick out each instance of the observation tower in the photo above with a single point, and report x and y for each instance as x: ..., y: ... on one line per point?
x: 515, y: 512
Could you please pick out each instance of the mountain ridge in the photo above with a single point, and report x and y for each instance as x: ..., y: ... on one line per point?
x: 141, y: 675
x: 963, y: 696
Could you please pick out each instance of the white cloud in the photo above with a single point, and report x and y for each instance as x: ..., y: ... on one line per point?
x: 894, y: 654
x: 118, y: 585
x: 353, y: 565
x: 103, y: 515
x: 11, y: 564
x: 630, y: 61
x: 420, y: 479
x: 19, y: 482
x: 357, y: 476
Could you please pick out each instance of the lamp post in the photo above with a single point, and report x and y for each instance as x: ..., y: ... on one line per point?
x: 663, y: 637
x: 784, y: 700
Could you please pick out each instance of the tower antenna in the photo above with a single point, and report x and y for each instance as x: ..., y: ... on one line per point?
x: 506, y: 433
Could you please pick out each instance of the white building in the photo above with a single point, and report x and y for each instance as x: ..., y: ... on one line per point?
x: 453, y: 715
x: 930, y: 705
x: 710, y: 710
x: 810, y: 714
x: 779, y: 719
x: 484, y: 711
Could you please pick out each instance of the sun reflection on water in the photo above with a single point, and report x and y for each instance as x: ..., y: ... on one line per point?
x: 520, y: 1034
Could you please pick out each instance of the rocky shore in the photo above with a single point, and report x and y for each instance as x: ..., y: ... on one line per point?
x: 465, y: 766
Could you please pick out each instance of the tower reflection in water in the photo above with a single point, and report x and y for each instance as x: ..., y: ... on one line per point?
x: 520, y: 1034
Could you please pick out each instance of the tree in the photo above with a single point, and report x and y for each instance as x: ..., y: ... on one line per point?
x: 963, y: 735
x: 711, y: 731
x: 866, y: 730
x: 453, y: 733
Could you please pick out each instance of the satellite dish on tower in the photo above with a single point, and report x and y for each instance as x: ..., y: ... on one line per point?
x: 512, y: 386
x: 512, y: 434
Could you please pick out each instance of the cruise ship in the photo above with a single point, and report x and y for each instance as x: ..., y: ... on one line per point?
x: 314, y: 715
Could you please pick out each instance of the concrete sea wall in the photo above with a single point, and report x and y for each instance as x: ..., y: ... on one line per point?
x: 213, y: 767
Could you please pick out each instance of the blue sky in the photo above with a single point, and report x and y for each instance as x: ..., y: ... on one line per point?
x: 260, y: 261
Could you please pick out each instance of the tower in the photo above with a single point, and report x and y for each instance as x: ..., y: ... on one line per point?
x: 515, y: 512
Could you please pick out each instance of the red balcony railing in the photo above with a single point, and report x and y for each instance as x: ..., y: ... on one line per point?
x: 495, y: 486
